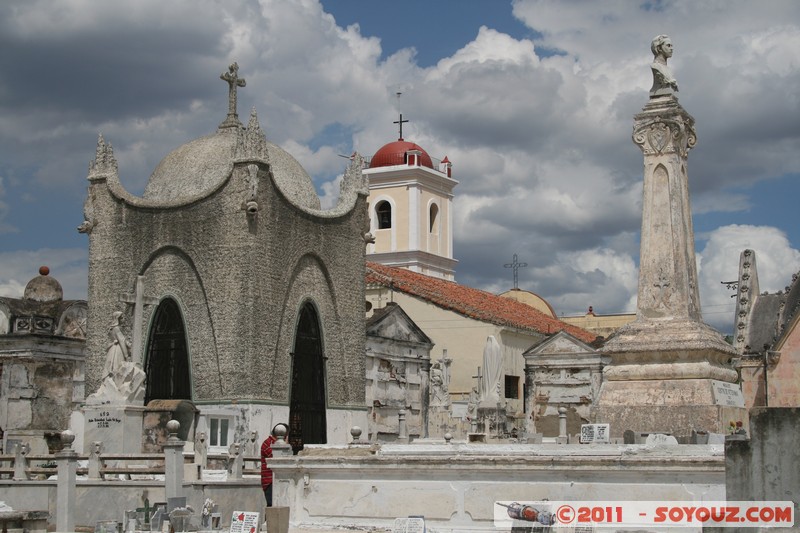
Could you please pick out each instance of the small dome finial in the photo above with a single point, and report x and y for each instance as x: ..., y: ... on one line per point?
x: 43, y: 288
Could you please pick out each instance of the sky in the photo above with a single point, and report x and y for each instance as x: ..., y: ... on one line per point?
x: 532, y: 101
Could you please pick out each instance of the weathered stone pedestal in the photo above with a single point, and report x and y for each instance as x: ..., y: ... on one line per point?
x: 665, y: 406
x: 277, y: 519
x: 118, y: 427
x: 493, y: 419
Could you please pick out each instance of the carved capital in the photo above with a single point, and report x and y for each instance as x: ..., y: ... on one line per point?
x: 665, y: 135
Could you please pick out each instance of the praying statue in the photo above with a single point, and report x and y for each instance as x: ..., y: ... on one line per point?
x: 118, y: 350
x: 123, y: 380
x: 664, y: 84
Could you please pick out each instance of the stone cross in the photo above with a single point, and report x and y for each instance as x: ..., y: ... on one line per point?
x: 401, y: 122
x: 479, y: 377
x: 138, y: 300
x: 234, y: 81
x: 516, y: 265
x: 380, y: 298
x: 662, y: 285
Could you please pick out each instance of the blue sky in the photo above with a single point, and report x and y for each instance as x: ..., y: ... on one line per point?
x: 532, y: 101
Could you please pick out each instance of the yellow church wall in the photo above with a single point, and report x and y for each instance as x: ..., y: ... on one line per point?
x: 383, y: 241
x: 396, y: 237
x: 531, y: 299
x: 434, y: 242
x: 601, y: 325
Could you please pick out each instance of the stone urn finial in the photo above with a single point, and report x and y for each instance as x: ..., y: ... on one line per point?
x: 355, y: 432
x: 67, y: 438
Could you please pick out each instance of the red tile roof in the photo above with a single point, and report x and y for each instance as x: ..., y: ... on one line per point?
x: 470, y: 302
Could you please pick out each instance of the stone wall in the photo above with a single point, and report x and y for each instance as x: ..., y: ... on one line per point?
x: 454, y: 486
x: 764, y: 468
x: 108, y: 500
x: 40, y: 382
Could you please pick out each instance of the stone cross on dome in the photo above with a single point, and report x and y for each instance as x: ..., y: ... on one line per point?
x: 401, y: 122
x: 234, y: 81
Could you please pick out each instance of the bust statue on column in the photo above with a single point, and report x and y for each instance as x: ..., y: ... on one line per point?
x: 664, y: 83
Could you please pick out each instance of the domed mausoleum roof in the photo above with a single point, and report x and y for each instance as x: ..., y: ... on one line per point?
x: 196, y: 167
x: 200, y: 166
x: 394, y: 153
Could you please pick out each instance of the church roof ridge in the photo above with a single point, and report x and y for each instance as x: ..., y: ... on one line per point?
x: 471, y: 302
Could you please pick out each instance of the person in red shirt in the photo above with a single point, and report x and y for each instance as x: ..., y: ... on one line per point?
x: 266, y: 453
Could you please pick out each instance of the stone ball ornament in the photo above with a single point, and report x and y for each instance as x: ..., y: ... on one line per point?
x: 173, y: 426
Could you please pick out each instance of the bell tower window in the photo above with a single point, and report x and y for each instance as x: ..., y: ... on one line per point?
x: 384, y: 213
x: 434, y: 215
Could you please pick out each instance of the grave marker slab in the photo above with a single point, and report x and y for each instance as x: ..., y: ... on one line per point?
x: 599, y: 433
x: 412, y: 524
x: 244, y: 522
x: 118, y: 427
x: 728, y: 394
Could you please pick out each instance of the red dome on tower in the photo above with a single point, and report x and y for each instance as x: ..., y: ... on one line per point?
x: 394, y: 153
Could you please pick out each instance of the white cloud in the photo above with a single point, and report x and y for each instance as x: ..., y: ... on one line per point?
x: 316, y: 162
x: 597, y: 277
x: 68, y: 265
x: 330, y: 192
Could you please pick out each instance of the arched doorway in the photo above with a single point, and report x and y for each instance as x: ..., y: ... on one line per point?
x: 167, y: 357
x: 307, y: 408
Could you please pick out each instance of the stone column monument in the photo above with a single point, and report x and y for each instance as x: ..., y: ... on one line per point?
x: 669, y: 371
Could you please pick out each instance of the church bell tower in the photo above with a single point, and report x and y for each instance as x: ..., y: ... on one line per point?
x: 410, y: 209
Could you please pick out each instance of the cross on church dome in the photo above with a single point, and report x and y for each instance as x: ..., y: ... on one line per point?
x: 515, y: 265
x: 234, y: 81
x: 400, y: 122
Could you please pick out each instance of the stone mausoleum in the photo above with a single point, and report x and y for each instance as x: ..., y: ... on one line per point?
x: 42, y: 350
x: 226, y: 284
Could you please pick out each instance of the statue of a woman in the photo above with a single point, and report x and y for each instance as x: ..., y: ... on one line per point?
x: 664, y: 82
x: 118, y: 349
x: 492, y: 372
